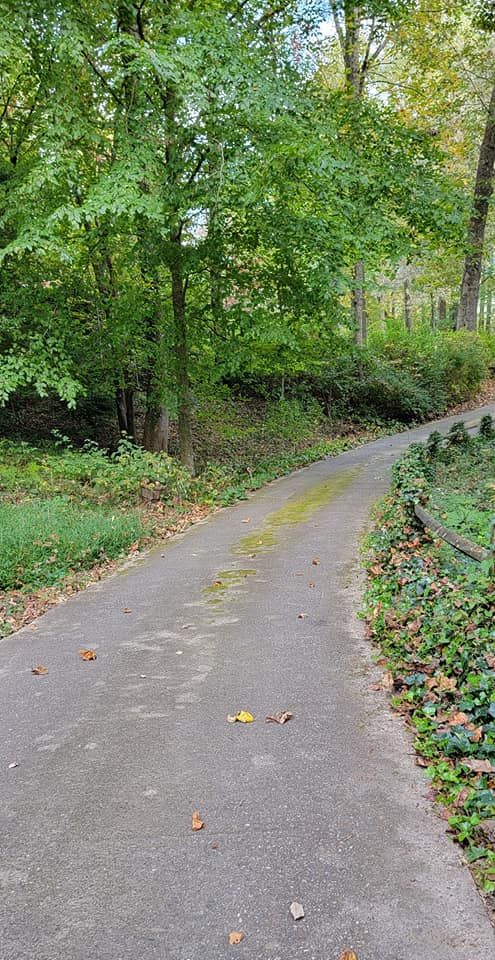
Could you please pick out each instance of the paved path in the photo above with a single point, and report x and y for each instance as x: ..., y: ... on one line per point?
x: 98, y: 859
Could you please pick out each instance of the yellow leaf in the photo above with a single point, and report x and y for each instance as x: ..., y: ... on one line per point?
x: 244, y: 717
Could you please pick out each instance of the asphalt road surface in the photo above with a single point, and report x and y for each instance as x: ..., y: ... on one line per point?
x: 98, y: 859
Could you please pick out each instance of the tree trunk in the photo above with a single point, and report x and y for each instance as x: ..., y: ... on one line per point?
x: 488, y: 314
x: 483, y: 190
x: 353, y: 76
x: 454, y: 313
x: 433, y: 317
x: 407, y: 305
x: 186, y: 451
x: 124, y: 399
x: 442, y: 310
x: 359, y: 304
x: 156, y: 427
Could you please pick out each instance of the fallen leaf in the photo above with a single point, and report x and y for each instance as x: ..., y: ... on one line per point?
x: 280, y: 717
x: 457, y: 718
x: 247, y: 520
x: 40, y: 671
x: 241, y: 717
x: 235, y: 937
x: 13, y: 765
x: 386, y: 682
x: 312, y: 583
x: 348, y: 955
x: 196, y: 823
x: 127, y: 610
x: 422, y: 762
x: 478, y: 766
x: 315, y: 561
x: 87, y: 654
x: 445, y: 683
x: 297, y: 910
x: 490, y: 659
x: 476, y: 734
x: 301, y: 616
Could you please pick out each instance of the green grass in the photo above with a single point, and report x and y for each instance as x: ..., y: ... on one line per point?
x: 42, y: 541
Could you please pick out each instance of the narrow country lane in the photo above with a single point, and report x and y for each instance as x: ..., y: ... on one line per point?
x: 98, y: 858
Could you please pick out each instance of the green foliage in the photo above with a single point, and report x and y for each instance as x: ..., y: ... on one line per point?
x: 431, y: 612
x: 42, y: 541
x: 487, y: 427
x: 458, y: 435
x: 90, y: 473
x: 463, y: 487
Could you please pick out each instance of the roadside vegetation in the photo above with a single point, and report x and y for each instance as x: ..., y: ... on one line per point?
x: 431, y: 612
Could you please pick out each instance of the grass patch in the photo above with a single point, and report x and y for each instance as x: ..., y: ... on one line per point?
x: 42, y: 541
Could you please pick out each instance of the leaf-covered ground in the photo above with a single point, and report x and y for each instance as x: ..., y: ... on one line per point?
x: 432, y: 613
x: 463, y: 491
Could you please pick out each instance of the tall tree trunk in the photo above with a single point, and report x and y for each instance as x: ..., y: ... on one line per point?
x: 483, y: 190
x: 433, y: 316
x: 407, y: 305
x: 124, y: 400
x: 442, y: 310
x: 351, y: 51
x: 488, y: 314
x: 359, y: 304
x: 156, y: 426
x: 186, y: 451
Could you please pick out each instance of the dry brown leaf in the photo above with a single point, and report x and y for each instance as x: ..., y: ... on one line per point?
x: 280, y: 717
x: 490, y: 659
x: 457, y: 718
x: 348, y: 955
x: 39, y: 671
x: 87, y: 654
x: 478, y: 766
x: 312, y: 583
x: 316, y: 561
x: 127, y: 610
x: 422, y: 762
x: 446, y: 683
x: 476, y: 734
x: 235, y: 937
x: 197, y: 823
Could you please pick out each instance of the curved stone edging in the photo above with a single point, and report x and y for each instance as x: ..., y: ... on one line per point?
x: 471, y: 549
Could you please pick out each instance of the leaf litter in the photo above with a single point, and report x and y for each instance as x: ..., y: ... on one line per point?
x: 196, y: 822
x: 281, y: 717
x: 39, y: 671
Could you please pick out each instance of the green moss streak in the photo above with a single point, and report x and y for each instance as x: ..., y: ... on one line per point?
x: 225, y: 579
x: 296, y: 510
